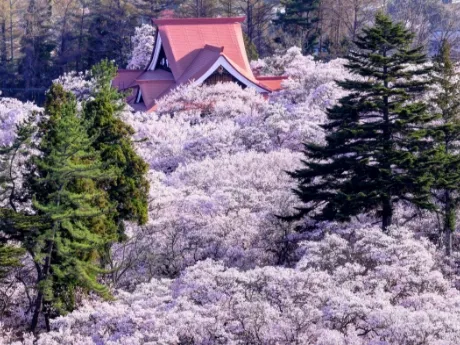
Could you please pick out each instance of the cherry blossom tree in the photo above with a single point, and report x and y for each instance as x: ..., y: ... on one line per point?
x: 358, y: 286
x: 12, y: 113
x: 143, y: 42
x: 215, y: 265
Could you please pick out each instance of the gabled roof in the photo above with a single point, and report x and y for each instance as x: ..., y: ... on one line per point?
x: 205, y: 58
x: 183, y: 40
x: 126, y: 78
x: 194, y: 49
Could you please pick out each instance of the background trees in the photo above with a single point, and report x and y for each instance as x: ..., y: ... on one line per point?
x: 300, y: 19
x: 65, y: 35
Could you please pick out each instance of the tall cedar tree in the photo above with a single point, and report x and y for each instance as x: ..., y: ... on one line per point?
x: 300, y: 19
x: 129, y: 189
x: 446, y: 158
x: 373, y: 134
x: 66, y: 175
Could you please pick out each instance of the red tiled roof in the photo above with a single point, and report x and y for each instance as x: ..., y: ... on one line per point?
x: 202, y: 62
x: 192, y: 47
x: 126, y: 78
x: 272, y: 82
x: 158, y: 74
x: 183, y: 40
x: 154, y: 89
x: 195, y: 21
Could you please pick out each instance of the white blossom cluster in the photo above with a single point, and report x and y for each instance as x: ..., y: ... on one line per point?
x: 12, y: 113
x: 218, y: 157
x: 216, y: 265
x: 357, y: 288
x: 79, y: 83
x: 143, y: 42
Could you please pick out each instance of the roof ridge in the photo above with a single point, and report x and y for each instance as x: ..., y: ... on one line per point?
x: 197, y: 56
x: 194, y: 21
x: 219, y: 49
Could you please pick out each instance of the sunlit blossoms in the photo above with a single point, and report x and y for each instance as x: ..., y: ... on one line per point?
x: 216, y: 264
x: 143, y: 42
x: 359, y: 287
x: 13, y: 112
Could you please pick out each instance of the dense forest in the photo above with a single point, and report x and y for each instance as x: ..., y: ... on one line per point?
x: 42, y: 39
x: 324, y: 213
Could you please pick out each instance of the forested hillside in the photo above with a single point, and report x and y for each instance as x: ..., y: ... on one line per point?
x: 325, y: 213
x: 42, y: 39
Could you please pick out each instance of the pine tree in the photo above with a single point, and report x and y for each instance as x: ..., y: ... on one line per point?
x: 300, y: 19
x: 446, y: 158
x: 65, y: 194
x: 9, y: 258
x: 37, y: 45
x: 111, y: 26
x: 251, y: 48
x: 373, y: 135
x: 129, y: 189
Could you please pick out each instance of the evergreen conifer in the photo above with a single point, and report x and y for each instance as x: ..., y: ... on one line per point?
x: 300, y: 19
x: 445, y: 160
x: 129, y: 189
x: 374, y: 135
x: 65, y: 194
x: 9, y: 258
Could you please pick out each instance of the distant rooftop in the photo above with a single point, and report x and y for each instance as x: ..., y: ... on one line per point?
x: 193, y: 50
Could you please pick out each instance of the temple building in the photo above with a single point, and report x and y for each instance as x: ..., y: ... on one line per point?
x: 193, y: 50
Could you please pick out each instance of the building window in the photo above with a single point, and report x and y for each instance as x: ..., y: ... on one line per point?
x: 221, y: 75
x: 162, y: 61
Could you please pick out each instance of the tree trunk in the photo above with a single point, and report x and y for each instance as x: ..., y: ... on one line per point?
x: 37, y: 311
x: 3, y: 43
x: 41, y: 295
x: 387, y: 214
x: 449, y: 223
x: 79, y: 65
x: 249, y: 21
x: 43, y: 276
x: 387, y: 204
x: 11, y: 32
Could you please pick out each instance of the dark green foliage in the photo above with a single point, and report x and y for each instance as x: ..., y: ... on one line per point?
x: 129, y: 189
x: 49, y: 40
x: 110, y: 29
x: 9, y: 258
x: 85, y: 181
x: 66, y: 195
x: 300, y: 19
x: 251, y: 48
x: 446, y: 157
x: 374, y: 134
x: 36, y: 45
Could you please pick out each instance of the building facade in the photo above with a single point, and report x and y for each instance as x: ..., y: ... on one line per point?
x: 197, y: 51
